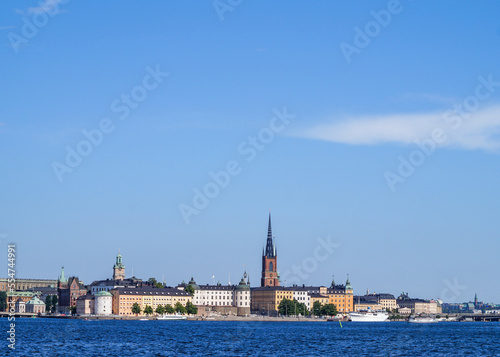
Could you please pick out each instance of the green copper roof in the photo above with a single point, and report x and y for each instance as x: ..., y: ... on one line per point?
x: 35, y: 301
x: 193, y: 284
x: 242, y: 285
x: 62, y: 279
x: 103, y: 293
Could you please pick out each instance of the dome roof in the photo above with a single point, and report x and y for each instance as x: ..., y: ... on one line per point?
x: 193, y: 284
x: 35, y: 301
x: 242, y: 286
x: 103, y: 293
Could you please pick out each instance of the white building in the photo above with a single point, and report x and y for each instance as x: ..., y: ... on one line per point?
x: 302, y: 296
x: 222, y: 295
x: 103, y: 303
x: 35, y: 306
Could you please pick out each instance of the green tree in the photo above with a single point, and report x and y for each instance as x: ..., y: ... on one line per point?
x: 3, y: 301
x: 316, y: 310
x: 48, y: 303
x: 189, y: 289
x: 160, y: 309
x: 148, y: 310
x: 136, y: 308
x: 55, y: 300
x: 292, y: 307
x: 179, y: 308
x: 191, y: 309
x: 159, y: 285
x: 72, y: 309
x: 152, y: 281
x: 169, y: 309
x: 329, y: 310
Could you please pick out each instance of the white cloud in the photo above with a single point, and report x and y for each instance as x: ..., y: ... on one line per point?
x: 470, y: 131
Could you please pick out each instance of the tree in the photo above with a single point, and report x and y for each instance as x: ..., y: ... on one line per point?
x: 72, y: 309
x: 55, y: 300
x: 291, y: 307
x: 189, y: 289
x: 159, y: 285
x: 148, y: 310
x: 160, y: 310
x: 152, y: 281
x: 136, y: 309
x: 316, y: 310
x: 3, y: 301
x: 329, y: 310
x: 179, y: 308
x: 191, y: 309
x: 169, y: 309
x: 48, y: 303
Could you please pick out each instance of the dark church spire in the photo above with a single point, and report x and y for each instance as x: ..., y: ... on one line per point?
x: 270, y: 249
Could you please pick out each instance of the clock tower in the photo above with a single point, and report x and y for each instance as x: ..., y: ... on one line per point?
x: 118, y: 268
x: 270, y: 275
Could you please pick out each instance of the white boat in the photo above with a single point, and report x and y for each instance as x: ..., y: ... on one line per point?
x: 171, y: 317
x: 422, y: 320
x: 368, y: 316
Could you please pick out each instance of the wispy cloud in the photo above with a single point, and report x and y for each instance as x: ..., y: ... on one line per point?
x: 469, y: 131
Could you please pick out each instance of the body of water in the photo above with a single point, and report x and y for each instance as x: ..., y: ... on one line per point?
x: 58, y: 337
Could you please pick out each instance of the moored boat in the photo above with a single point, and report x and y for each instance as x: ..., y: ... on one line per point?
x: 369, y: 316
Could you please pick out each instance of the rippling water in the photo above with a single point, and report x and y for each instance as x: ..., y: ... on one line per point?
x: 54, y: 337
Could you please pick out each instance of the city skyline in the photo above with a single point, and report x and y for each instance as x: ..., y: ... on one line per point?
x: 168, y: 131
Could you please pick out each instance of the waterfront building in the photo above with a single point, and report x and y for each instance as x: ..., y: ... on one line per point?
x: 270, y: 275
x: 366, y: 302
x: 321, y: 298
x: 124, y: 298
x: 225, y: 299
x: 85, y: 304
x: 265, y: 300
x: 20, y: 305
x: 103, y: 303
x: 26, y: 284
x: 109, y: 284
x: 418, y: 306
x: 14, y: 296
x: 302, y: 296
x: 68, y: 291
x: 118, y: 268
x: 35, y: 306
x: 404, y: 311
x: 374, y: 301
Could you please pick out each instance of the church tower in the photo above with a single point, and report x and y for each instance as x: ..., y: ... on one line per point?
x: 118, y: 268
x: 270, y: 276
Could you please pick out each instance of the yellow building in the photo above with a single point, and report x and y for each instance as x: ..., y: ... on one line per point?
x: 124, y: 299
x: 267, y: 299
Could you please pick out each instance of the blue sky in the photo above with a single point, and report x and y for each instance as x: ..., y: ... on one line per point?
x: 371, y: 126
